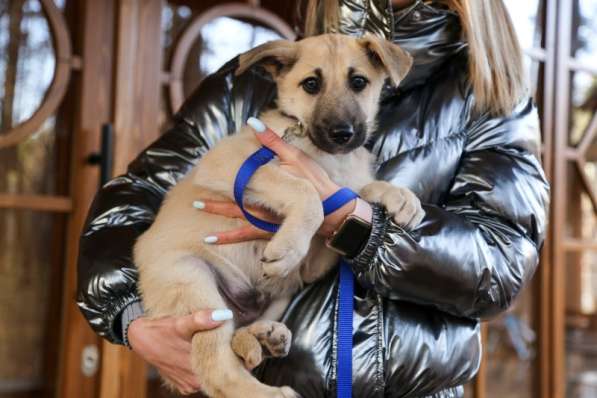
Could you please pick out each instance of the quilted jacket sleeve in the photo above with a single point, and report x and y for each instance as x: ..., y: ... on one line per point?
x: 125, y: 207
x: 473, y: 254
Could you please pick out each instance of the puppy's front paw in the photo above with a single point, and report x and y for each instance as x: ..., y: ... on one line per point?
x: 281, y: 257
x: 401, y: 203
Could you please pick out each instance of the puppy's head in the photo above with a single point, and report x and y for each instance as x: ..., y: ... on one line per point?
x: 331, y: 83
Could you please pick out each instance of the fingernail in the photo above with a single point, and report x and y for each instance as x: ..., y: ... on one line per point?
x: 256, y: 124
x: 221, y: 315
x: 198, y: 205
x: 210, y: 239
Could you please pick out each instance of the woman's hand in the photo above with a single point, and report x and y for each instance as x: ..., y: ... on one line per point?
x: 295, y: 162
x: 172, y: 356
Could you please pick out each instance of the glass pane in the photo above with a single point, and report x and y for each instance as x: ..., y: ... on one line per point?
x: 33, y: 165
x: 221, y: 40
x: 583, y: 103
x: 28, y: 273
x: 510, y: 351
x: 526, y: 16
x: 581, y: 322
x: 27, y: 61
x: 584, y: 31
x: 581, y: 223
x: 175, y: 19
x: 532, y: 70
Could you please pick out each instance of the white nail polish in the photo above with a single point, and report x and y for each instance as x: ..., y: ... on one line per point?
x: 221, y: 315
x: 198, y: 205
x: 256, y: 124
x: 210, y: 239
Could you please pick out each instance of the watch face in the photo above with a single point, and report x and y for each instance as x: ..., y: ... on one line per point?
x: 351, y: 237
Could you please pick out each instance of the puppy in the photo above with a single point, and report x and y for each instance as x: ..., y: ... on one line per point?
x: 328, y: 93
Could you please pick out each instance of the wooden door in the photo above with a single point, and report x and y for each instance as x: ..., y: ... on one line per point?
x: 56, y: 95
x: 157, y: 65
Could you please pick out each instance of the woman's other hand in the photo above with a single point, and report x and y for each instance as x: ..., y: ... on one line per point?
x: 166, y: 344
x: 295, y: 162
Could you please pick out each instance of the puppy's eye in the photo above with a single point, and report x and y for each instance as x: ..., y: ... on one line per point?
x: 358, y: 83
x: 311, y: 85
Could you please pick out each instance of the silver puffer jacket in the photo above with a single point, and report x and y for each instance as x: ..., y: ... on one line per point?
x: 421, y: 294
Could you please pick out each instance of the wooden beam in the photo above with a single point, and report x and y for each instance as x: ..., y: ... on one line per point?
x: 556, y: 347
x: 58, y: 204
x: 93, y: 40
x: 543, y: 386
x: 137, y: 82
x: 480, y: 382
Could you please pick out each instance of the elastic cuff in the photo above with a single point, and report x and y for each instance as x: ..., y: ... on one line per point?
x: 378, y: 230
x: 131, y: 312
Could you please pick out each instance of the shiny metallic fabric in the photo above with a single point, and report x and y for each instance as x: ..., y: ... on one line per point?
x: 420, y: 294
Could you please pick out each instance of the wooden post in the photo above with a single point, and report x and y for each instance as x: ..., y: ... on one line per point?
x: 543, y: 305
x: 559, y: 202
x: 137, y: 84
x: 94, y: 41
x: 480, y: 382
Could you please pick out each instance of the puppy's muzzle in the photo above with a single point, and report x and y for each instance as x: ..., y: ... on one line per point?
x: 341, y: 133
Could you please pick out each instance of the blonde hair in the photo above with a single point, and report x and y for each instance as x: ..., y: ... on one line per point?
x: 496, y: 70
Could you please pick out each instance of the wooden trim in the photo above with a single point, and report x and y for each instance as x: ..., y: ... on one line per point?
x: 57, y: 89
x: 537, y: 54
x: 579, y: 245
x: 186, y: 41
x: 543, y: 281
x: 588, y: 136
x: 94, y: 41
x: 58, y: 204
x: 578, y: 66
x: 587, y: 183
x: 559, y: 202
x: 136, y: 109
x: 480, y: 382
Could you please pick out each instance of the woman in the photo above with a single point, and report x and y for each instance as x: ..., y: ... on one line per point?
x: 461, y: 132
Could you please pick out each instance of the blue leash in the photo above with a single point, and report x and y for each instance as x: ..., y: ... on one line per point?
x: 346, y: 278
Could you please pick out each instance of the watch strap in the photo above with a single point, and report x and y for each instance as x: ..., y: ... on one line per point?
x: 378, y: 231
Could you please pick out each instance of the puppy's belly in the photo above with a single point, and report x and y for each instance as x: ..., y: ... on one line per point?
x: 237, y: 267
x: 247, y: 303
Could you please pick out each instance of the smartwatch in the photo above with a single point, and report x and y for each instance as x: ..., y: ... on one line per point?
x: 352, y: 235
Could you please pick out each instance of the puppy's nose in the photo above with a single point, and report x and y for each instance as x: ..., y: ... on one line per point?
x: 341, y: 133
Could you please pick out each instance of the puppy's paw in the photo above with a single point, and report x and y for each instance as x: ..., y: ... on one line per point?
x: 245, y: 345
x: 281, y: 257
x: 274, y: 337
x: 401, y: 203
x: 373, y: 192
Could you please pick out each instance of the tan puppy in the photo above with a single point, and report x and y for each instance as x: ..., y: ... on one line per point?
x: 328, y: 94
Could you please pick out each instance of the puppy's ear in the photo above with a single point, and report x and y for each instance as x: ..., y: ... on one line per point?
x: 387, y: 55
x: 273, y: 56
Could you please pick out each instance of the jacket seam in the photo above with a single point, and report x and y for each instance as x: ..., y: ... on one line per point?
x: 331, y: 382
x: 381, y: 380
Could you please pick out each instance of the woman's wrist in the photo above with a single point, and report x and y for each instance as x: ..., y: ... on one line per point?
x: 130, y: 313
x: 333, y: 221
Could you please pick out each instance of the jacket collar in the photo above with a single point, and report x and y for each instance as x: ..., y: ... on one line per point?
x: 427, y: 30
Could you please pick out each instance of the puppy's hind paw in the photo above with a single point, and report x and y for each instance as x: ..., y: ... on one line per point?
x: 274, y: 337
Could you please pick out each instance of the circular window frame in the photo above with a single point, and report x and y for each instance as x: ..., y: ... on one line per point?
x: 62, y: 72
x: 192, y: 32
